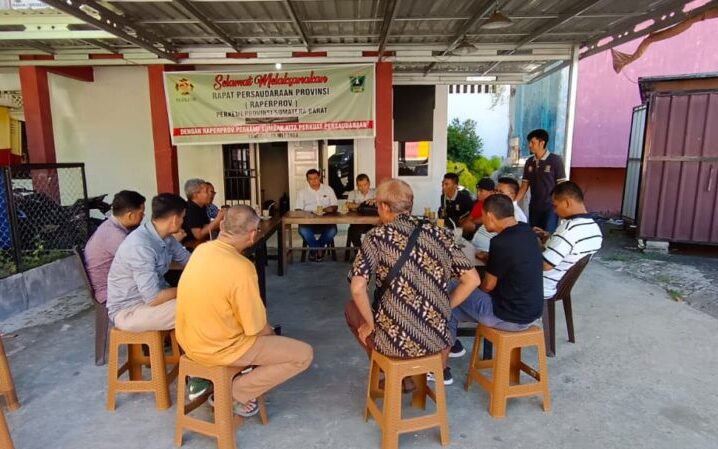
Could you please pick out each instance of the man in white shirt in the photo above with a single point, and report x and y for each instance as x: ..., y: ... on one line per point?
x: 363, y: 193
x: 577, y: 235
x: 317, y: 197
x: 509, y: 187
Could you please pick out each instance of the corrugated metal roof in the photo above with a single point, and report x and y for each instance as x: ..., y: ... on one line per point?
x: 542, y: 31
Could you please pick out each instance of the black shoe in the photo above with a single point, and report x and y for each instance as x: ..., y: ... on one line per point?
x: 312, y: 256
x: 448, y: 378
x: 457, y: 350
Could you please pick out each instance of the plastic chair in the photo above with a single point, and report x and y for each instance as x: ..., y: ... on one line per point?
x: 563, y: 293
x: 389, y: 419
x: 157, y: 361
x: 225, y: 421
x: 102, y: 319
x: 506, y: 367
x: 7, y: 386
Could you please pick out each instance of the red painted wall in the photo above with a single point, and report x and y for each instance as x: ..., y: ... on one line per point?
x: 384, y: 121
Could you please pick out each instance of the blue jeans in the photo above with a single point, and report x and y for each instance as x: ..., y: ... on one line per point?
x: 544, y: 219
x: 478, y: 308
x: 326, y: 234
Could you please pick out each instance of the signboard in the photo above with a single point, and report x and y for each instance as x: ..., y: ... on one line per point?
x: 277, y: 105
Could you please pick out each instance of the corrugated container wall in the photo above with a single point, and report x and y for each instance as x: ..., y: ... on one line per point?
x: 679, y: 200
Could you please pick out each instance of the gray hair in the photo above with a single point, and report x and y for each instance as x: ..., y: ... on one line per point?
x: 193, y: 186
x: 396, y: 194
x: 239, y: 220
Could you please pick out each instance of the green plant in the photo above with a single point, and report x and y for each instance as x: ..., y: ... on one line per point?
x: 7, y: 264
x: 463, y: 144
x: 482, y: 167
x: 676, y: 295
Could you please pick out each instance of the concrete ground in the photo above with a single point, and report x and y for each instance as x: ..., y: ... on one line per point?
x: 641, y: 375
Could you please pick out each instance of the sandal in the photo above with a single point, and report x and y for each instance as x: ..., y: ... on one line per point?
x: 247, y: 409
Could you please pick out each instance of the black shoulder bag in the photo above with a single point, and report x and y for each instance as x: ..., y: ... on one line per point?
x: 380, y: 291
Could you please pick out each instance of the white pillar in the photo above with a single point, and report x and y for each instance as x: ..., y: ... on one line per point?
x: 571, y: 109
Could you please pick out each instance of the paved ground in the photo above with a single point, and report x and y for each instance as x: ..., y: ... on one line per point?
x: 639, y: 376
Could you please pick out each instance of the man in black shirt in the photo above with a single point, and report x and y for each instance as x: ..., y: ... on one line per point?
x: 511, y: 294
x: 455, y: 204
x: 196, y: 221
x: 542, y: 172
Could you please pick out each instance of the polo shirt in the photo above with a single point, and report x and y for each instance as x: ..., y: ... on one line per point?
x: 456, y: 208
x: 543, y: 175
x: 219, y: 309
x: 515, y: 260
x: 576, y: 237
x: 196, y: 217
x: 99, y: 253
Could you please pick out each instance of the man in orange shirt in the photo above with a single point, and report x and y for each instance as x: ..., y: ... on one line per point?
x: 221, y: 319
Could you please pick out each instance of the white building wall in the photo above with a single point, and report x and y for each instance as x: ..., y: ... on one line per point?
x: 202, y: 161
x: 107, y: 125
x: 365, y: 158
x: 427, y: 189
x: 10, y: 78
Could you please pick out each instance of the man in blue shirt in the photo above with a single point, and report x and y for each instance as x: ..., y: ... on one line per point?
x: 138, y: 297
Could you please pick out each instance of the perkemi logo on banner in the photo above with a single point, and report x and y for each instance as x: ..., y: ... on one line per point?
x: 263, y: 106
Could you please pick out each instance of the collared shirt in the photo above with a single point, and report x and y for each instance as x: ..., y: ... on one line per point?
x: 308, y: 199
x: 456, y: 208
x: 99, y: 253
x: 543, y: 175
x: 576, y: 237
x: 137, y: 273
x: 411, y: 319
x: 355, y: 196
x: 219, y: 309
x: 212, y: 211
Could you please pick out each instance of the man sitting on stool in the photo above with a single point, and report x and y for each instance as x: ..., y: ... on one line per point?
x: 317, y: 197
x: 221, y: 319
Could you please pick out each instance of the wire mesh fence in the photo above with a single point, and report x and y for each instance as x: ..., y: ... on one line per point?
x: 43, y: 214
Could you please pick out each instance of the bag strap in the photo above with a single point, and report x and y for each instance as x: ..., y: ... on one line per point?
x: 379, y: 293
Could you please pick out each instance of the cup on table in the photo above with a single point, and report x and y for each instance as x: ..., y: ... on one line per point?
x: 440, y: 222
x: 427, y: 212
x: 265, y: 213
x: 320, y: 210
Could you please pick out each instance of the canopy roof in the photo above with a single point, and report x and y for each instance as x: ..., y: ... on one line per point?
x: 429, y: 41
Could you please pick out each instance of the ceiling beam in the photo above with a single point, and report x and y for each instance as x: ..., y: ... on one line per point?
x: 35, y: 45
x: 389, y: 13
x: 99, y: 44
x: 484, y: 8
x: 562, y: 18
x: 116, y: 25
x: 207, y: 22
x: 295, y: 19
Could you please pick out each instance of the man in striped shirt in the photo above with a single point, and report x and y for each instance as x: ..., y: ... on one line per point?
x: 577, y: 236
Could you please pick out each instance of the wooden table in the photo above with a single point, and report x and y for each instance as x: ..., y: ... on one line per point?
x: 310, y: 218
x: 259, y: 249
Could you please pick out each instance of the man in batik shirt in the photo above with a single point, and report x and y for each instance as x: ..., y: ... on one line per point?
x: 411, y: 318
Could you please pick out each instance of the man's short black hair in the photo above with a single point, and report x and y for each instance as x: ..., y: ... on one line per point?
x: 312, y: 171
x: 499, y: 205
x: 126, y: 201
x: 540, y: 134
x: 167, y: 204
x: 568, y: 189
x: 453, y: 176
x: 510, y: 182
x: 363, y: 177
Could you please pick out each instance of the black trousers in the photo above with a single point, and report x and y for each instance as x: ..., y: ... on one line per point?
x: 355, y: 232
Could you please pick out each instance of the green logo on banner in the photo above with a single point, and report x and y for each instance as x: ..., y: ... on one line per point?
x: 357, y: 83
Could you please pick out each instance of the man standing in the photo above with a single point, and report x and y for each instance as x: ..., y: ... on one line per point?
x: 511, y: 296
x: 542, y: 172
x: 576, y: 237
x: 317, y: 197
x: 221, y: 319
x: 138, y: 297
x: 196, y: 223
x: 128, y: 210
x: 363, y: 193
x: 410, y: 313
x: 455, y: 204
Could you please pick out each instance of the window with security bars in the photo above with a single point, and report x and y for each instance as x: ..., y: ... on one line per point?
x: 240, y: 174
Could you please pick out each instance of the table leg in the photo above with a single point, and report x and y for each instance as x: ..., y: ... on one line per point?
x: 282, y: 246
x: 260, y: 263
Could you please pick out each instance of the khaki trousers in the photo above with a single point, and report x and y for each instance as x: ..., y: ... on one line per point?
x: 143, y: 317
x: 276, y: 360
